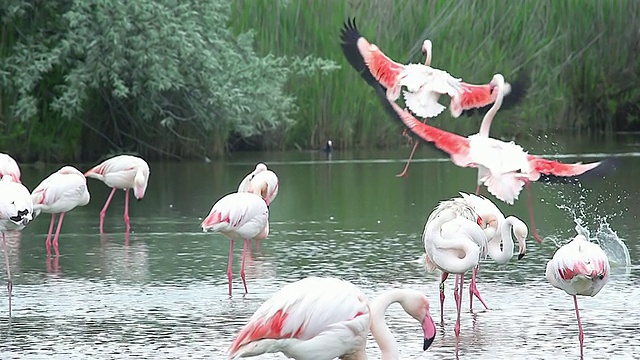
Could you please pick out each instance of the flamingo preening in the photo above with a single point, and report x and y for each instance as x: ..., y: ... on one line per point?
x: 261, y: 181
x: 325, y: 318
x: 454, y: 242
x: 424, y: 84
x: 580, y: 267
x: 16, y: 210
x: 239, y: 216
x: 121, y: 172
x: 9, y: 166
x: 59, y: 193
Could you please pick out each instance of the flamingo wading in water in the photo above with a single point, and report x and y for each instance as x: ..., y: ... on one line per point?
x: 239, y: 216
x: 121, y: 172
x: 324, y: 318
x: 579, y: 268
x: 16, y: 210
x: 62, y: 191
x: 454, y: 243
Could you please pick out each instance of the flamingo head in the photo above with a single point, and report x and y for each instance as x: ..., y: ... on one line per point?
x: 416, y: 304
x: 259, y: 168
x: 489, y: 223
x: 426, y: 47
x: 140, y: 183
x: 521, y: 232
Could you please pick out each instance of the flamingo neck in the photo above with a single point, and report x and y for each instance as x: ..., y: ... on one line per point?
x: 485, y: 126
x: 505, y: 238
x: 379, y: 329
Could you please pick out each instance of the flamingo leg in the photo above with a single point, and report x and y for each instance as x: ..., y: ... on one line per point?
x: 478, y: 190
x: 406, y: 167
x: 55, y: 238
x: 458, y: 290
x: 473, y: 290
x: 103, y: 212
x: 442, y: 279
x: 580, y: 333
x: 6, y: 260
x: 533, y: 221
x: 229, y: 266
x: 245, y: 246
x: 126, y: 210
x: 47, y: 242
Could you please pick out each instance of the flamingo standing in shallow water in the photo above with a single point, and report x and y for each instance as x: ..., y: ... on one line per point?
x: 498, y: 230
x: 325, y: 318
x: 62, y: 191
x: 261, y: 181
x: 579, y: 268
x: 8, y: 166
x: 122, y: 172
x: 16, y: 210
x: 424, y: 84
x: 454, y: 243
x: 239, y: 216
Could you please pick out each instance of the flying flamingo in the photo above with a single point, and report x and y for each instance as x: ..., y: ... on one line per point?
x: 16, y: 210
x: 239, y: 216
x: 325, y: 318
x: 62, y: 191
x: 261, y: 181
x: 579, y: 268
x: 454, y: 243
x: 499, y: 236
x: 424, y: 84
x: 122, y: 172
x: 8, y: 166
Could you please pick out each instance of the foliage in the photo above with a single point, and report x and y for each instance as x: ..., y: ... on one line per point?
x: 162, y: 76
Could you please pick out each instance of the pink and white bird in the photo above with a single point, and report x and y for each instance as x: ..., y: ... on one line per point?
x: 498, y: 230
x: 59, y: 193
x: 122, y: 172
x: 454, y: 243
x: 579, y: 268
x: 9, y: 166
x: 327, y: 318
x: 16, y: 210
x: 261, y: 181
x: 239, y: 216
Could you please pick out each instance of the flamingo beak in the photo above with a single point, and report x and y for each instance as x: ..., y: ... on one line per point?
x: 429, y: 328
x: 520, y: 256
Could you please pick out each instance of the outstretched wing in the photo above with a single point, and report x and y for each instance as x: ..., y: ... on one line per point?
x: 518, y: 92
x: 552, y: 171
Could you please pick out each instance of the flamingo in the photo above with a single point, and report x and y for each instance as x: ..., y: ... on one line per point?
x: 580, y: 267
x: 8, y: 166
x: 62, y: 191
x: 121, y: 172
x: 16, y: 210
x: 239, y: 216
x: 498, y: 230
x: 424, y: 84
x: 454, y: 243
x: 261, y: 181
x: 325, y: 318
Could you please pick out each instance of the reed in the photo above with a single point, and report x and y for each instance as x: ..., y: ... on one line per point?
x: 580, y: 55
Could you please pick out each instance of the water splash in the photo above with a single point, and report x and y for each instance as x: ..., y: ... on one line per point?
x: 611, y: 243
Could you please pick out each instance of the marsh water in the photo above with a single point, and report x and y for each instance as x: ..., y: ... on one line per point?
x: 162, y: 294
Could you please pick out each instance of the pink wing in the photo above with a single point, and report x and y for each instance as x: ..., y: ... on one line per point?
x: 302, y: 310
x: 541, y: 166
x: 384, y: 70
x: 471, y: 97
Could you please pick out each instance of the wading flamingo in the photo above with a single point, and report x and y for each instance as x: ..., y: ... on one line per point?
x: 8, y: 166
x: 454, y: 243
x: 16, y: 210
x: 239, y: 216
x: 122, y: 172
x: 499, y: 236
x: 62, y: 191
x: 579, y: 268
x: 325, y: 318
x: 261, y: 181
x: 424, y: 84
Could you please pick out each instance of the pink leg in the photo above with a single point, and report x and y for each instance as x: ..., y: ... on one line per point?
x: 473, y: 290
x: 580, y: 333
x: 458, y: 290
x: 478, y: 190
x: 406, y: 167
x: 6, y: 260
x: 229, y: 267
x: 47, y: 243
x: 245, y: 247
x: 55, y: 238
x: 103, y: 212
x: 442, y: 279
x: 126, y: 210
x: 533, y: 221
x: 257, y: 245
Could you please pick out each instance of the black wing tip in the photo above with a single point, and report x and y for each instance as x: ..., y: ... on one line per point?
x: 519, y: 90
x: 607, y: 167
x: 349, y: 32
